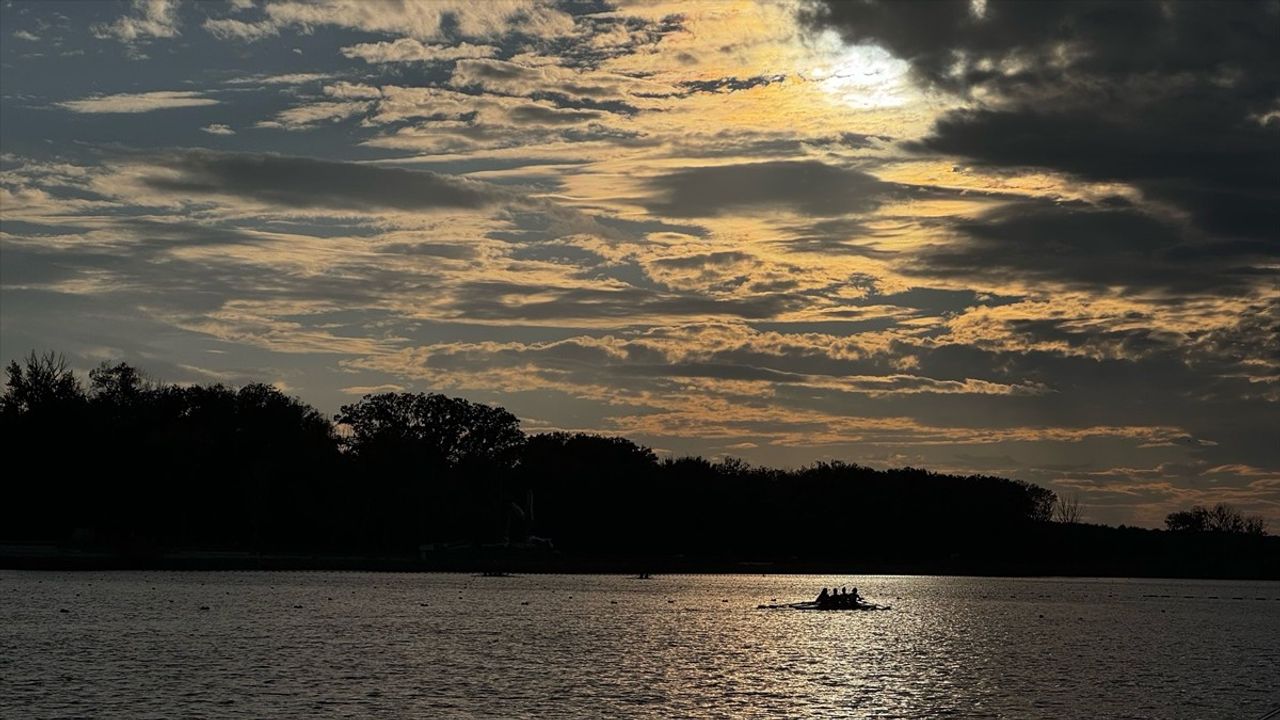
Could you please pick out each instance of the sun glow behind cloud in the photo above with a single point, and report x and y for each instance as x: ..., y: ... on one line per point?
x: 863, y: 77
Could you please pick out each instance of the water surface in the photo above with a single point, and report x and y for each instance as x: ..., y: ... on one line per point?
x: 438, y: 645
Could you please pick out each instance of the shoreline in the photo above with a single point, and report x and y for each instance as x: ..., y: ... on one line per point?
x: 480, y: 562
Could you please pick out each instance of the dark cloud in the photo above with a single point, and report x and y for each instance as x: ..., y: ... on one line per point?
x: 1132, y: 376
x: 1201, y: 154
x: 731, y: 84
x: 309, y: 183
x: 1040, y: 48
x: 432, y: 249
x: 808, y: 187
x: 850, y: 236
x: 938, y: 300
x: 694, y: 262
x: 1093, y: 247
x: 1178, y: 99
x: 543, y: 115
x: 156, y: 235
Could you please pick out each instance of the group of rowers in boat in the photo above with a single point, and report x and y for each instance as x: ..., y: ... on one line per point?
x: 838, y: 598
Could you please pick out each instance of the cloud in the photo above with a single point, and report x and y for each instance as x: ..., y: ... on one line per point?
x: 1107, y: 248
x: 1198, y: 154
x: 410, y: 50
x: 513, y: 78
x: 731, y: 84
x: 664, y: 357
x: 448, y: 118
x: 426, y: 20
x: 308, y: 183
x: 218, y: 129
x: 535, y: 114
x: 500, y: 300
x: 305, y: 117
x: 148, y: 19
x: 1165, y: 96
x: 809, y: 186
x: 25, y: 35
x: 372, y: 389
x: 691, y: 262
x: 282, y: 79
x: 233, y: 29
x: 138, y: 102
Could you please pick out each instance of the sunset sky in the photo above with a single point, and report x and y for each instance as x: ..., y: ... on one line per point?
x: 1035, y: 240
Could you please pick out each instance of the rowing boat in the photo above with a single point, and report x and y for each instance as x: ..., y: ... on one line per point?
x: 813, y: 605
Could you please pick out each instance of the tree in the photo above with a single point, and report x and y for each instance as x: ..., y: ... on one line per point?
x: 1066, y: 510
x: 1040, y: 501
x: 41, y: 383
x: 437, y: 466
x: 1221, y: 518
x: 119, y: 384
x: 453, y: 431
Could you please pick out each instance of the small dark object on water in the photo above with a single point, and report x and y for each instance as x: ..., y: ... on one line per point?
x: 63, y: 610
x: 837, y: 600
x: 297, y: 607
x: 204, y: 607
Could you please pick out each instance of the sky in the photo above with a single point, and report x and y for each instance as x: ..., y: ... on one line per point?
x: 1035, y: 240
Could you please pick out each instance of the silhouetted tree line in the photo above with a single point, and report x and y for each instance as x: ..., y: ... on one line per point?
x: 1221, y: 518
x: 139, y: 466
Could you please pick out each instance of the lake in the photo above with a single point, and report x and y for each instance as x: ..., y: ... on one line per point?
x: 137, y: 644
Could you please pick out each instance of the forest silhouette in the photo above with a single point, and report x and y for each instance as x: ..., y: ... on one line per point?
x: 126, y: 471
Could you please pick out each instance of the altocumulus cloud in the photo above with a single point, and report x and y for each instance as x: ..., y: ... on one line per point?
x: 138, y: 102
